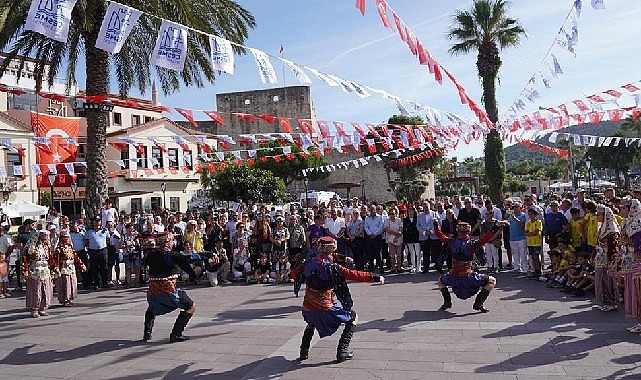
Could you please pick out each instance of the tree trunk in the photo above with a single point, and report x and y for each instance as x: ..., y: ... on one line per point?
x: 488, y: 63
x: 97, y: 71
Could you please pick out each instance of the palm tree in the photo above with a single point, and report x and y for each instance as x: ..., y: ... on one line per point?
x: 131, y: 67
x: 486, y: 28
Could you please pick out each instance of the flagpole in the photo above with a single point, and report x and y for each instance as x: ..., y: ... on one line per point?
x: 282, y: 63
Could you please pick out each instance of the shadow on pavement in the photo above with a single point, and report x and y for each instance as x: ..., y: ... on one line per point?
x: 562, y: 348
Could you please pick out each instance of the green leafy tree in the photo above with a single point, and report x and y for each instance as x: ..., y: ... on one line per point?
x: 619, y: 158
x: 486, y: 28
x: 131, y: 67
x: 290, y: 170
x: 410, y: 173
x: 245, y: 182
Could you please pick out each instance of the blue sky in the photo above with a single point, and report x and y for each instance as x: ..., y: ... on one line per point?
x: 334, y: 38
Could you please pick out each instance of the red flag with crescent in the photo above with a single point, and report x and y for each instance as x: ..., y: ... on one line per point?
x: 57, y: 129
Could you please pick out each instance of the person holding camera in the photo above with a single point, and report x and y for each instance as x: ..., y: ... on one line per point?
x: 218, y: 266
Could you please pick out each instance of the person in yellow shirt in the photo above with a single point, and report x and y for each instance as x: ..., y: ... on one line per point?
x: 534, y: 238
x: 590, y: 224
x: 576, y: 228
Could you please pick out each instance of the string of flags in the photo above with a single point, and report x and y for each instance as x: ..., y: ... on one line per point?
x: 550, y: 68
x: 544, y: 148
x: 613, y: 104
x: 417, y: 48
x: 170, y: 52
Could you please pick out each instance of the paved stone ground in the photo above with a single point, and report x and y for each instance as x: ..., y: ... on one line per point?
x: 253, y: 332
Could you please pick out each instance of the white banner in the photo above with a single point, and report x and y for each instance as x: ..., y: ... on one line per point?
x: 118, y: 22
x: 50, y: 18
x: 170, y: 51
x: 298, y: 71
x: 70, y: 168
x: 222, y: 54
x: 265, y: 68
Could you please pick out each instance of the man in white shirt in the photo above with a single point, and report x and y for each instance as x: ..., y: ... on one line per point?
x: 335, y: 227
x: 430, y: 244
x: 108, y: 214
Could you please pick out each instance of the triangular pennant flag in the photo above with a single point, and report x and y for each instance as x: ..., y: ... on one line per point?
x: 187, y: 114
x: 298, y: 71
x: 35, y: 169
x: 215, y: 116
x: 382, y: 11
x: 284, y: 124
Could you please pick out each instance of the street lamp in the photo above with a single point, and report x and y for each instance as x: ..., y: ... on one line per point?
x: 52, y: 181
x: 74, y: 188
x: 306, y: 182
x: 363, y: 190
x: 163, y: 187
x: 588, y: 164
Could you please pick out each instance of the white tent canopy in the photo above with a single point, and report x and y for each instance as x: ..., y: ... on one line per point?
x: 21, y: 209
x: 561, y: 185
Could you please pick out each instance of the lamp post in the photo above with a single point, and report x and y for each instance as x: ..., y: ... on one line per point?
x: 363, y: 190
x: 163, y: 187
x: 52, y: 181
x: 588, y: 164
x: 306, y: 182
x: 74, y: 188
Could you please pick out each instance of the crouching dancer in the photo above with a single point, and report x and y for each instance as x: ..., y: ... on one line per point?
x: 163, y: 296
x: 323, y: 278
x: 464, y: 281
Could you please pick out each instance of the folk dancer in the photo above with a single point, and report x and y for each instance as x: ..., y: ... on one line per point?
x: 464, y: 282
x: 37, y: 264
x: 163, y: 296
x: 631, y: 236
x: 607, y: 260
x: 323, y: 278
x: 66, y: 261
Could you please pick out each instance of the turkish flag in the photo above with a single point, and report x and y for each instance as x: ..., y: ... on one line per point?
x: 268, y: 118
x: 360, y: 4
x: 284, y: 123
x: 215, y: 116
x: 57, y: 130
x: 189, y: 115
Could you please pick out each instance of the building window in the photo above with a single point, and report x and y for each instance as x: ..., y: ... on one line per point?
x: 27, y: 101
x: 248, y: 102
x: 136, y: 204
x: 275, y: 98
x: 156, y: 203
x: 124, y: 156
x: 117, y: 118
x: 174, y: 203
x: 172, y: 157
x: 14, y: 159
x: 149, y: 119
x: 135, y: 120
x: 157, y: 154
x: 142, y: 158
x: 188, y: 163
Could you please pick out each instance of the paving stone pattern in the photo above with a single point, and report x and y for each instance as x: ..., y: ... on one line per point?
x: 253, y: 332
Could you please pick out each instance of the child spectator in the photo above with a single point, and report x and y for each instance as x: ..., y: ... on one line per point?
x: 576, y: 230
x: 282, y: 270
x: 581, y: 277
x: 263, y: 273
x: 534, y: 234
x: 241, y: 267
x: 4, y: 277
